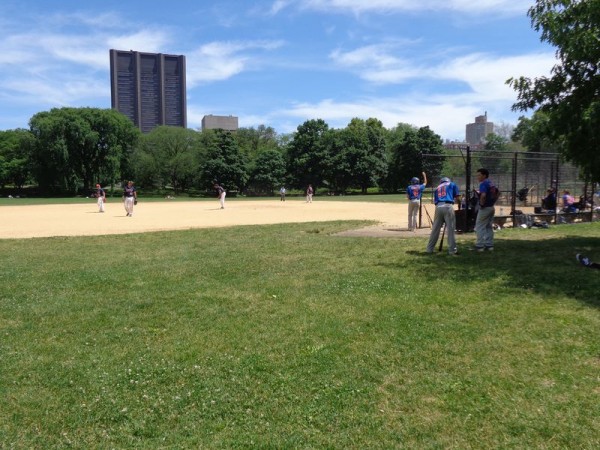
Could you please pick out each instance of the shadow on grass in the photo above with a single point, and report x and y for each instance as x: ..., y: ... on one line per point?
x: 545, y: 267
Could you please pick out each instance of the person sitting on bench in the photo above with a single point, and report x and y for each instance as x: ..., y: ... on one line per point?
x: 549, y: 201
x: 568, y: 202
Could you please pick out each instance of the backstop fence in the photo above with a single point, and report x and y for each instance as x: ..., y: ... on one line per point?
x: 524, y: 179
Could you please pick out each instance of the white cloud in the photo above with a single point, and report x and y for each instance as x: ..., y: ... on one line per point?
x: 482, y: 75
x: 467, y: 7
x: 221, y: 60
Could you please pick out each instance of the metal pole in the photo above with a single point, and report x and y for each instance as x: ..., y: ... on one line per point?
x: 469, y: 210
x: 513, y: 202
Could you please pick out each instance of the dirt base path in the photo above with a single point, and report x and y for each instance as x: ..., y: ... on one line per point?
x: 85, y: 220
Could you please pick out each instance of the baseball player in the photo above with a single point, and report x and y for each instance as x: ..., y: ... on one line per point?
x: 309, y: 193
x: 129, y: 198
x: 221, y: 193
x: 444, y: 197
x: 485, y: 216
x: 101, y: 197
x: 414, y: 192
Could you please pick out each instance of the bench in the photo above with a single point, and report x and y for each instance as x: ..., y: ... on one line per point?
x: 528, y: 219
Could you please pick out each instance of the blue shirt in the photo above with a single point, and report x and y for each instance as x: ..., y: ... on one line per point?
x: 414, y: 191
x: 445, y: 193
x: 484, y: 187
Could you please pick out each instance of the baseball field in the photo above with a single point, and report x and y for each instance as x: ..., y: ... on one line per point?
x: 84, y: 219
x: 178, y: 328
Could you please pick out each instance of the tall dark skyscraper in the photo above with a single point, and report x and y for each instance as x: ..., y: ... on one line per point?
x: 149, y: 88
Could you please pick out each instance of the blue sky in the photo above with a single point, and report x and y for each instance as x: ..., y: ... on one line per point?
x: 436, y: 63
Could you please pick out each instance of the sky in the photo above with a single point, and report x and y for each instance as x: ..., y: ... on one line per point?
x: 279, y: 63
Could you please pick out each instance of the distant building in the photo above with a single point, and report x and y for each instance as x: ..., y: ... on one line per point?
x: 478, y: 131
x: 227, y: 123
x: 149, y: 88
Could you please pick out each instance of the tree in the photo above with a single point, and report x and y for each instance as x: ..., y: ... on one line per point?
x: 223, y: 162
x: 357, y: 155
x: 268, y: 171
x: 534, y: 133
x: 570, y: 97
x: 252, y: 141
x: 167, y: 155
x: 15, y: 153
x: 80, y: 146
x: 392, y: 182
x: 308, y: 154
x: 493, y: 158
x: 408, y: 156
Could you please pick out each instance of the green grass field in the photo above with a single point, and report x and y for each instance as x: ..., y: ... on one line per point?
x: 288, y: 336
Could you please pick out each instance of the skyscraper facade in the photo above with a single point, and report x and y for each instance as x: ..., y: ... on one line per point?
x: 149, y: 88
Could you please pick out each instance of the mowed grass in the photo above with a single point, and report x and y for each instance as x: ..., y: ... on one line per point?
x: 289, y: 336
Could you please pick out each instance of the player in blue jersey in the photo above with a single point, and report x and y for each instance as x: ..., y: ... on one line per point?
x: 414, y: 192
x: 485, y: 216
x: 444, y: 197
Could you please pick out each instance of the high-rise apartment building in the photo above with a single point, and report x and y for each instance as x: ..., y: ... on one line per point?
x: 149, y: 88
x: 478, y: 131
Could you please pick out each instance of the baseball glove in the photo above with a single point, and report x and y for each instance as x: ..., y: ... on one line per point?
x: 135, y: 202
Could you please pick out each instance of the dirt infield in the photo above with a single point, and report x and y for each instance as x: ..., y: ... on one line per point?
x: 85, y: 220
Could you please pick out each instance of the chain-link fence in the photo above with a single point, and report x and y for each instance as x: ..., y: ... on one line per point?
x: 532, y: 186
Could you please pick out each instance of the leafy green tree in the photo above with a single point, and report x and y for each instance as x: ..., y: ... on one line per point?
x: 222, y: 162
x: 268, y: 171
x: 570, y: 97
x: 167, y: 156
x: 79, y: 146
x: 308, y: 154
x: 494, y: 158
x: 408, y: 156
x: 252, y: 141
x: 357, y: 155
x: 535, y: 134
x: 15, y: 154
x: 391, y: 181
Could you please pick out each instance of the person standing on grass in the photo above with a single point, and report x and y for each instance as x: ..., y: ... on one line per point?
x: 101, y: 197
x: 309, y: 193
x: 221, y: 193
x: 484, y: 228
x: 129, y: 198
x: 444, y: 197
x: 414, y: 192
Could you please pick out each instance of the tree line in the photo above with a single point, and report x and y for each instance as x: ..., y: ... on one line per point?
x: 68, y: 150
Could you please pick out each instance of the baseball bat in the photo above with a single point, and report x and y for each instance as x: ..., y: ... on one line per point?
x: 442, y: 240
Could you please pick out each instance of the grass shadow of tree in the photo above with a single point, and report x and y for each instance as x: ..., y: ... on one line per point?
x: 547, y: 267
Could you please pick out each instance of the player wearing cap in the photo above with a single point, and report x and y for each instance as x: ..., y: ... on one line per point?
x: 485, y: 216
x: 101, y: 197
x: 444, y: 197
x: 414, y: 192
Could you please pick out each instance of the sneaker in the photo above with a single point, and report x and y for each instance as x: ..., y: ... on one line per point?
x: 479, y: 249
x: 583, y: 260
x: 489, y: 249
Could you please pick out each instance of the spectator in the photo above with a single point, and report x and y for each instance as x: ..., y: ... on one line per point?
x: 549, y: 201
x: 568, y: 202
